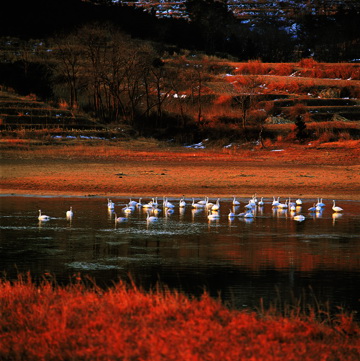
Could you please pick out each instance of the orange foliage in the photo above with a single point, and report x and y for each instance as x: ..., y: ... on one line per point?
x: 223, y: 99
x: 254, y: 67
x: 283, y: 69
x: 57, y: 323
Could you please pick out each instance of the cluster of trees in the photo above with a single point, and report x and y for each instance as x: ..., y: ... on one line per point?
x: 107, y: 59
x: 212, y: 28
x: 117, y: 79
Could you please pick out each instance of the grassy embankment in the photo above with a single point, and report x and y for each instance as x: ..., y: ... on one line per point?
x: 326, y: 94
x: 76, y: 322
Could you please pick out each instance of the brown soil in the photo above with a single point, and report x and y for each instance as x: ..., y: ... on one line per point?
x: 327, y: 171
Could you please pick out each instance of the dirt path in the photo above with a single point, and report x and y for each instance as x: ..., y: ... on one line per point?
x: 308, y: 173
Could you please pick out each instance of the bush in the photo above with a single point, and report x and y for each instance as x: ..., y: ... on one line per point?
x: 253, y: 67
x: 307, y: 63
x: 283, y: 69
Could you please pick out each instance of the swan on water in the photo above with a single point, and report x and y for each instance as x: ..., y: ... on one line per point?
x: 246, y: 214
x: 235, y: 202
x: 69, y: 213
x: 213, y: 216
x: 231, y: 214
x: 132, y: 203
x: 283, y: 205
x: 167, y: 204
x: 313, y: 208
x: 298, y: 202
x: 320, y: 203
x: 250, y: 205
x: 203, y: 202
x: 197, y: 205
x: 111, y: 204
x: 128, y: 209
x: 299, y: 218
x: 43, y: 217
x: 336, y: 208
x: 216, y: 206
x: 182, y: 203
x: 120, y: 219
x: 151, y: 218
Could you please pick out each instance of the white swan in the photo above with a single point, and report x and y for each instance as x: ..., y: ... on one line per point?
x: 111, y: 204
x: 320, y: 203
x: 151, y: 218
x: 132, y: 203
x: 213, y: 216
x: 216, y: 206
x: 298, y: 202
x: 283, y: 205
x: 261, y: 202
x: 275, y: 202
x: 128, y: 209
x: 250, y: 205
x: 231, y: 214
x: 246, y: 214
x: 197, y: 205
x: 167, y: 204
x: 249, y: 215
x: 182, y: 203
x: 148, y: 205
x: 235, y: 202
x: 203, y: 202
x: 335, y: 208
x: 157, y: 211
x: 299, y: 218
x: 69, y: 213
x: 208, y: 204
x: 312, y: 209
x: 290, y: 203
x: 293, y: 208
x: 120, y: 219
x: 43, y: 217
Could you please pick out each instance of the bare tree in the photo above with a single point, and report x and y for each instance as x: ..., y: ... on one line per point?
x: 246, y: 96
x: 69, y: 54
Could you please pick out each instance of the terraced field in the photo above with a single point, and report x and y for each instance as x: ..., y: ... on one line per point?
x: 18, y: 112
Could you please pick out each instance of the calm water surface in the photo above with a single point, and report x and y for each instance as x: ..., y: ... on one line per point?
x: 270, y: 257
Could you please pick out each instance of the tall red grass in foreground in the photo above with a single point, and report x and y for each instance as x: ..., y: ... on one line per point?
x: 78, y: 323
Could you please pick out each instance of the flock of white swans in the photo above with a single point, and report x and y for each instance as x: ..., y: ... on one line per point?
x: 153, y: 208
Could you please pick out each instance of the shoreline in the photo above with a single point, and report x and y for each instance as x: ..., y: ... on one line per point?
x: 117, y: 172
x: 243, y: 198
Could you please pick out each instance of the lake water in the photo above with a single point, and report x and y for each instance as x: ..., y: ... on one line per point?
x: 243, y: 260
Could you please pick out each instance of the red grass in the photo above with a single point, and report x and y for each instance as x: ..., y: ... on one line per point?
x: 78, y: 323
